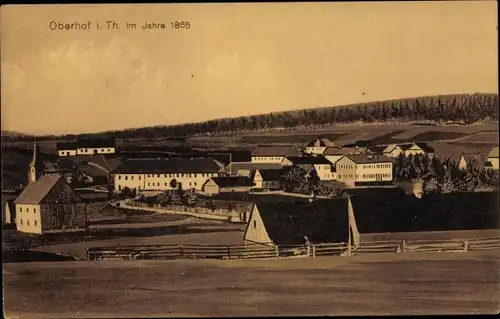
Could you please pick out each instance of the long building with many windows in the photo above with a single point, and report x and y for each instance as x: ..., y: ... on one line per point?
x: 165, y: 174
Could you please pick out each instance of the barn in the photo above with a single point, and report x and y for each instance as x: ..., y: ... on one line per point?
x: 50, y: 205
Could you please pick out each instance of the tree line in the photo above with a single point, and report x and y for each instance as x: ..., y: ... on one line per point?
x: 445, y: 176
x: 463, y: 108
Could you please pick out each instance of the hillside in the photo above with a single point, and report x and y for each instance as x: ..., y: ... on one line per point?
x: 460, y: 108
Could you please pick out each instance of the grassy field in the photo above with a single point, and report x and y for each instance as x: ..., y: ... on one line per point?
x: 384, y: 284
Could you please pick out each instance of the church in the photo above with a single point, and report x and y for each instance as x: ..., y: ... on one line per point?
x: 48, y: 204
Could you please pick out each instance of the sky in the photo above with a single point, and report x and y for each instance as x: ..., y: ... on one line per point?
x: 234, y: 60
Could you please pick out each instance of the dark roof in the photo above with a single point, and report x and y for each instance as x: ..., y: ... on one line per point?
x: 92, y: 170
x: 232, y: 181
x: 87, y: 143
x: 174, y: 165
x: 308, y: 160
x: 270, y: 174
x: 377, y: 149
x: 35, y: 192
x: 275, y: 151
x: 343, y: 150
x: 235, y: 166
x: 378, y: 213
x: 324, y: 142
x: 321, y: 221
x: 367, y: 159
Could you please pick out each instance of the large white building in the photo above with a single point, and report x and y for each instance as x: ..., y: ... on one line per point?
x: 165, y: 174
x: 364, y: 169
x: 87, y: 147
x: 273, y: 154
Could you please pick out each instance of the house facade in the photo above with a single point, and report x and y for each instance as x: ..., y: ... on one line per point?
x: 267, y: 179
x: 493, y: 159
x: 164, y: 174
x: 87, y: 147
x: 227, y: 184
x: 50, y: 205
x: 393, y: 151
x: 363, y: 169
x: 318, y: 165
x: 273, y: 154
x: 318, y: 146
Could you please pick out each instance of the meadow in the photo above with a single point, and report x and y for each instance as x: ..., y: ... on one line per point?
x: 381, y: 284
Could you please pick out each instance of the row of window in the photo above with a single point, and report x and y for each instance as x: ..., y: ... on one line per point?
x: 346, y: 176
x: 377, y: 165
x: 188, y: 175
x: 27, y: 210
x: 268, y: 158
x: 166, y: 184
x: 28, y: 222
x: 375, y: 175
x: 346, y: 166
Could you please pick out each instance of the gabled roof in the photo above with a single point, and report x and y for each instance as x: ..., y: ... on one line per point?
x: 309, y: 160
x: 235, y: 166
x: 161, y: 166
x: 376, y: 149
x: 423, y: 146
x: 321, y: 221
x: 34, y: 193
x: 275, y: 151
x: 389, y: 148
x: 368, y: 159
x: 270, y: 175
x: 232, y: 181
x: 493, y: 153
x: 324, y: 142
x: 93, y: 171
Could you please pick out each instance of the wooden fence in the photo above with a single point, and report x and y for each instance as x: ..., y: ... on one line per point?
x: 291, y: 251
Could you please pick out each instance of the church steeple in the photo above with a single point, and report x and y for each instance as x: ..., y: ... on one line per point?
x: 36, y: 165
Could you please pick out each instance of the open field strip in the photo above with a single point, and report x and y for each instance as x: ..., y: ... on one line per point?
x: 420, y: 283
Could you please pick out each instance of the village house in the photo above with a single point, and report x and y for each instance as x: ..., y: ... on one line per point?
x: 165, y: 174
x: 493, y: 159
x: 418, y: 149
x: 318, y: 165
x: 292, y: 223
x: 87, y: 147
x: 267, y: 179
x: 333, y: 154
x: 227, y: 184
x: 471, y: 160
x: 273, y: 154
x: 249, y: 168
x: 318, y: 146
x: 393, y: 151
x: 50, y: 205
x: 364, y: 169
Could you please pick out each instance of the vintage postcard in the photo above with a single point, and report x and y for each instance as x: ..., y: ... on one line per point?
x: 250, y: 159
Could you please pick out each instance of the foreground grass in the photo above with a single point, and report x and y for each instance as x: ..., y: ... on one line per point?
x: 421, y: 283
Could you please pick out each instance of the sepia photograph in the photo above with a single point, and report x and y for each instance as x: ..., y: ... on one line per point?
x: 250, y: 159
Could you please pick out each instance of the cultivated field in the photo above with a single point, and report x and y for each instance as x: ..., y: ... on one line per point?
x: 382, y: 284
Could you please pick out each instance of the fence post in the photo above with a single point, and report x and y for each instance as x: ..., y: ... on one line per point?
x: 308, y: 250
x: 398, y: 249
x: 466, y: 245
x: 403, y: 246
x: 228, y: 252
x: 277, y: 251
x: 314, y: 251
x: 181, y: 250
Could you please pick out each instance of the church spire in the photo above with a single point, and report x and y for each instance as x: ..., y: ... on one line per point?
x: 36, y: 165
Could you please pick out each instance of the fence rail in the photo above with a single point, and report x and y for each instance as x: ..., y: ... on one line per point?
x: 252, y: 251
